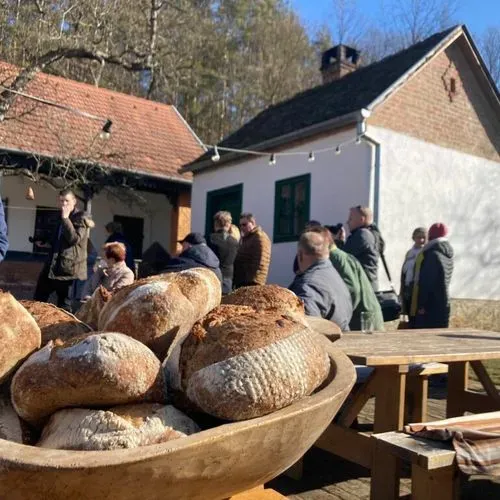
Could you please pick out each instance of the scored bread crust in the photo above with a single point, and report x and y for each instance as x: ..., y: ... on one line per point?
x: 101, y: 370
x: 154, y: 310
x: 55, y: 323
x: 238, y: 364
x: 19, y: 334
x: 126, y: 426
x: 266, y: 297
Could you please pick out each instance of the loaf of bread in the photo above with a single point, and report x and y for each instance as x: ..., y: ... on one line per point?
x: 55, y: 323
x: 19, y: 334
x: 101, y: 370
x: 154, y: 310
x: 238, y: 363
x: 266, y: 298
x: 91, y: 309
x: 127, y: 426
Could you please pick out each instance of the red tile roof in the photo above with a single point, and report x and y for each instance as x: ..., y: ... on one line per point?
x: 146, y: 136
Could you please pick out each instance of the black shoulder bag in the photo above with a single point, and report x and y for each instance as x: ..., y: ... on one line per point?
x: 388, y: 299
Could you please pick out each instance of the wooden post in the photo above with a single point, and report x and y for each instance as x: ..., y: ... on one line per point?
x: 458, y: 381
x: 385, y: 474
x: 180, y: 219
x: 437, y: 484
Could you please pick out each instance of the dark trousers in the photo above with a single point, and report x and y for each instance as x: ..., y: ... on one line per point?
x: 45, y: 286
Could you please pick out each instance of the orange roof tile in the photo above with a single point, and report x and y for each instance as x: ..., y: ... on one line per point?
x: 146, y: 136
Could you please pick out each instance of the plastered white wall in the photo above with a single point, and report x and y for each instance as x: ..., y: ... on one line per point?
x: 21, y: 213
x: 423, y: 183
x: 337, y: 183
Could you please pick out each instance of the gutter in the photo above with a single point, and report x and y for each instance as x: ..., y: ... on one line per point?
x: 353, y: 117
x: 111, y: 167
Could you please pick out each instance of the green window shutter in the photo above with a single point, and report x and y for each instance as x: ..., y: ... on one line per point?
x: 292, y: 200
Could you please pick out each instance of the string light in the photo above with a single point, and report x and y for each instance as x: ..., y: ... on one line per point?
x: 106, y: 130
x: 311, y: 155
x: 215, y: 156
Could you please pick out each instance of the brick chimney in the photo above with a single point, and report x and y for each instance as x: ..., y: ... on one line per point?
x: 338, y: 62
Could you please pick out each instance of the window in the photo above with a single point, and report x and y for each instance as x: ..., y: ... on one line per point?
x: 291, y: 207
x: 46, y: 223
x: 229, y: 198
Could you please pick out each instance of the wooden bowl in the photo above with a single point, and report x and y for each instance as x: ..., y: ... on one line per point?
x: 213, y: 464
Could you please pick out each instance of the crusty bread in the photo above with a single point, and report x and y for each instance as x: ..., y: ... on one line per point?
x: 101, y: 370
x: 19, y: 334
x: 91, y: 309
x: 127, y: 426
x: 266, y: 298
x: 238, y: 364
x: 154, y: 310
x: 55, y: 323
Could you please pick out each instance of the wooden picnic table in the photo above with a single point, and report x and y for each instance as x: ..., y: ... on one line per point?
x: 391, y: 354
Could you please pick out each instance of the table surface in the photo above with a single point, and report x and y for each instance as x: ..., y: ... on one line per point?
x: 420, y: 346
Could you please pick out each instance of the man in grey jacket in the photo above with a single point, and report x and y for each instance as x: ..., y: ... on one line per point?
x: 318, y: 284
x: 364, y: 242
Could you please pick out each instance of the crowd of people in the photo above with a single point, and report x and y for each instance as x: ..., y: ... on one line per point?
x: 336, y: 275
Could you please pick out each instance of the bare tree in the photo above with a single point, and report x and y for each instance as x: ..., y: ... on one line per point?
x: 349, y: 23
x: 490, y: 48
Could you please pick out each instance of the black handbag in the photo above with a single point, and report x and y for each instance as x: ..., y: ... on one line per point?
x: 388, y: 299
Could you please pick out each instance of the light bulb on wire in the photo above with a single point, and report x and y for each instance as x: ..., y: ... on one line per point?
x: 311, y: 157
x: 106, y: 130
x: 272, y: 160
x: 215, y: 156
x: 337, y: 150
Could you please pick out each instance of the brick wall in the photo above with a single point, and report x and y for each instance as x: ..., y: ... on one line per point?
x: 425, y: 108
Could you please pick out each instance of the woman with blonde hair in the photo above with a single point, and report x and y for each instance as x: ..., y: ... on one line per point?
x: 224, y: 242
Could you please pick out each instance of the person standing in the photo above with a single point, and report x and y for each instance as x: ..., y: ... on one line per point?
x: 338, y: 234
x: 430, y: 303
x: 225, y: 246
x: 419, y: 238
x: 4, y: 242
x: 364, y: 242
x: 251, y: 265
x: 115, y: 233
x: 318, y: 284
x: 67, y: 259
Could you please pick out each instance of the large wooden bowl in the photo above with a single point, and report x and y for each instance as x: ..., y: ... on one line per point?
x: 213, y: 464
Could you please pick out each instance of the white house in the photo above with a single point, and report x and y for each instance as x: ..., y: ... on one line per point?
x: 419, y: 136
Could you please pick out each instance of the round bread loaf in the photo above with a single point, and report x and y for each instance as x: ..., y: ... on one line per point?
x: 91, y: 309
x: 154, y: 310
x: 55, y: 323
x: 127, y: 426
x: 101, y: 370
x: 19, y: 334
x: 237, y: 364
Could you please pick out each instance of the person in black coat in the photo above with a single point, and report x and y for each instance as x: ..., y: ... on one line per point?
x: 365, y: 242
x: 225, y: 246
x: 4, y: 242
x: 195, y: 253
x: 318, y: 284
x: 430, y: 306
x: 115, y: 231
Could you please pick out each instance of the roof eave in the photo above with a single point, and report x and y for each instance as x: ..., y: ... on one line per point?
x: 304, y: 133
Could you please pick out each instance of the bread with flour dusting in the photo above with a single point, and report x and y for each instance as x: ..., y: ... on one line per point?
x: 19, y: 334
x: 154, y: 310
x: 55, y: 323
x: 101, y: 370
x: 238, y: 363
x: 266, y: 298
x: 127, y: 426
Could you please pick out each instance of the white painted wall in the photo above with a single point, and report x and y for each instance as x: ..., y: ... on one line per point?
x: 422, y: 183
x: 21, y: 214
x: 337, y: 183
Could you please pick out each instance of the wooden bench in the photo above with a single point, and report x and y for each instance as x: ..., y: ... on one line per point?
x: 434, y: 475
x: 258, y: 493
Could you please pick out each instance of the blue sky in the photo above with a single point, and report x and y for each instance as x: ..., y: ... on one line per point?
x: 476, y: 14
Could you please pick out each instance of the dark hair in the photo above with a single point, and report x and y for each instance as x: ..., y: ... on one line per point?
x: 65, y: 192
x: 115, y: 250
x: 249, y: 217
x: 114, y: 227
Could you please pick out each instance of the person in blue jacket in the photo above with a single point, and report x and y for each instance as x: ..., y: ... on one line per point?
x: 4, y: 242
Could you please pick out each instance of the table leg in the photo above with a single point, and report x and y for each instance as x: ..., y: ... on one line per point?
x: 437, y: 484
x: 458, y: 381
x: 390, y: 398
x: 384, y: 475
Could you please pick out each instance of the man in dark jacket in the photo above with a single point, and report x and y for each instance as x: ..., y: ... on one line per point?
x: 68, y: 253
x: 225, y: 247
x: 115, y: 232
x: 430, y: 305
x: 364, y: 242
x: 318, y: 284
x: 4, y: 242
x: 195, y: 253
